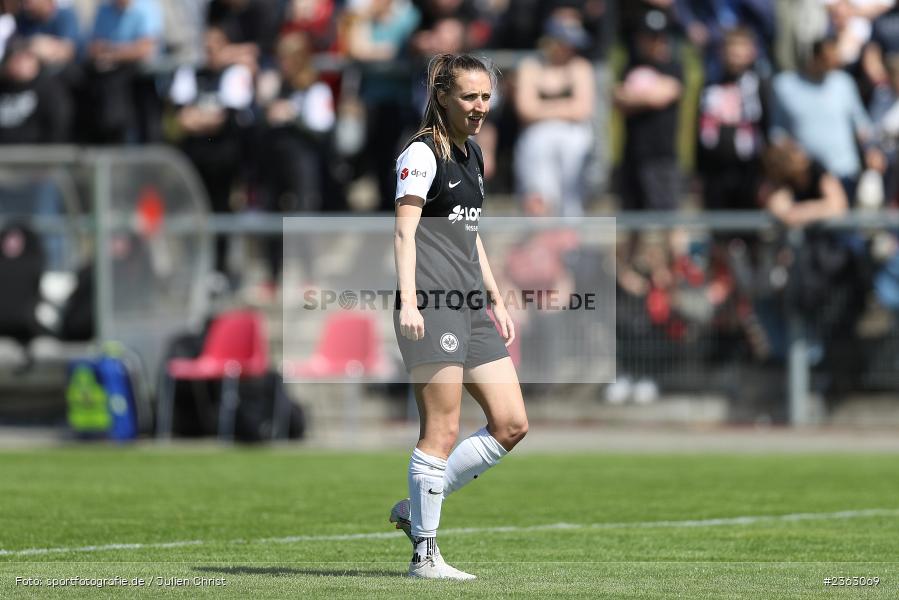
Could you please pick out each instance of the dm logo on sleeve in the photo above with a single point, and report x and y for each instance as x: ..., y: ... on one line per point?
x: 449, y: 342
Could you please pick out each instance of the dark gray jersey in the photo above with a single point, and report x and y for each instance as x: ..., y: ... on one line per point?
x: 453, y: 190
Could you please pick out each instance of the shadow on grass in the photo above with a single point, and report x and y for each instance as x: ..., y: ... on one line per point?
x: 277, y: 571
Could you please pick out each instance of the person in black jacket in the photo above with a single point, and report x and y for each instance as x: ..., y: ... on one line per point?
x: 649, y: 98
x: 34, y: 107
x: 214, y: 113
x: 733, y: 121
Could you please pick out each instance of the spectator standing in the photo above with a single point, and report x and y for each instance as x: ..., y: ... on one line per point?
x: 184, y: 24
x: 125, y: 37
x: 799, y: 24
x: 885, y: 114
x: 315, y: 18
x: 598, y: 17
x: 707, y: 21
x: 476, y: 30
x: 884, y: 41
x: 34, y: 107
x: 632, y: 20
x: 297, y: 124
x: 821, y: 109
x: 380, y: 31
x: 7, y: 24
x: 554, y: 100
x: 213, y: 112
x: 732, y: 128
x: 649, y: 97
x: 250, y: 26
x: 52, y: 32
x: 850, y: 24
x: 518, y: 25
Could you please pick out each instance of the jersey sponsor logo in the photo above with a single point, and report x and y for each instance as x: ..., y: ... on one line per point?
x: 460, y: 212
x: 414, y: 173
x: 449, y: 342
x: 454, y: 183
x: 456, y: 215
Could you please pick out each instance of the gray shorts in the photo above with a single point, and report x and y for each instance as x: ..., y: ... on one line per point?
x: 466, y: 336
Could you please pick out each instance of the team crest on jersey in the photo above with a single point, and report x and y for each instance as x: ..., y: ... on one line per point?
x: 481, y: 184
x: 449, y: 342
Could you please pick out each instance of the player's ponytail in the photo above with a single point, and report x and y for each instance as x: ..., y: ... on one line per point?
x: 442, y: 70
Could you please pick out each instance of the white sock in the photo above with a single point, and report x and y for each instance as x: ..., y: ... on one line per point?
x: 425, y: 493
x: 423, y: 547
x: 474, y: 455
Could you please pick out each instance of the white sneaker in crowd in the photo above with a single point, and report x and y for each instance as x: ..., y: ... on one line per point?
x: 646, y: 391
x: 619, y: 391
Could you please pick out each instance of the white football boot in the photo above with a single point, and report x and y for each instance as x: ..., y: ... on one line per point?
x: 431, y: 567
x: 434, y: 567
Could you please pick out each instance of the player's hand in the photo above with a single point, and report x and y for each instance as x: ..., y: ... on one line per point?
x: 412, y: 324
x: 506, y: 326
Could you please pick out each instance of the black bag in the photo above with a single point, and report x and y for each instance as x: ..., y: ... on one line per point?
x: 256, y: 411
x: 196, y: 403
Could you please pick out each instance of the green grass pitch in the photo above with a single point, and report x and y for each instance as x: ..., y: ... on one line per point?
x: 269, y: 523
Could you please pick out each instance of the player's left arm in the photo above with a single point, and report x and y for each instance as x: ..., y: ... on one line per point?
x: 507, y: 327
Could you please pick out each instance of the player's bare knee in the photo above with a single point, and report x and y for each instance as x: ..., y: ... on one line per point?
x: 518, y: 429
x: 510, y: 432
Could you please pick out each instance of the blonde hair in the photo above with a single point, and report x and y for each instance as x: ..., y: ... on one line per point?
x: 442, y: 70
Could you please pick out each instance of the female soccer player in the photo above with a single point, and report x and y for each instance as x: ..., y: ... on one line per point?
x: 445, y: 335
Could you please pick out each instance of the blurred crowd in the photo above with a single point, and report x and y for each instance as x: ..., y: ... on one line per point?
x: 290, y: 100
x: 282, y: 104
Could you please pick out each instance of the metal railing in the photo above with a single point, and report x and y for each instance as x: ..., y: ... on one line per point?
x: 109, y: 179
x: 149, y: 280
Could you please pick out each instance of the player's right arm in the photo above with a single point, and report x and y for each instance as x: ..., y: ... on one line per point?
x: 415, y: 171
x: 408, y: 214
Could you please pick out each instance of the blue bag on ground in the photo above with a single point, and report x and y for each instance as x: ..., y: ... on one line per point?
x: 100, y: 396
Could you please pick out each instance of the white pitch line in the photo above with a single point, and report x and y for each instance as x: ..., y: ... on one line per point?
x: 744, y: 520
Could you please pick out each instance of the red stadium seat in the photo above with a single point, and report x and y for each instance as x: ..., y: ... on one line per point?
x: 236, y: 347
x: 349, y: 346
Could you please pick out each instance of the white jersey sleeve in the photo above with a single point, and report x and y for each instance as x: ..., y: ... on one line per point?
x: 415, y: 171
